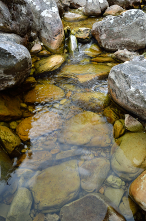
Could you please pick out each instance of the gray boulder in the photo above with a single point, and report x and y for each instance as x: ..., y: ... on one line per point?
x: 95, y: 7
x: 126, y: 84
x: 124, y: 3
x: 5, y: 18
x: 15, y: 64
x: 12, y: 38
x: 120, y: 32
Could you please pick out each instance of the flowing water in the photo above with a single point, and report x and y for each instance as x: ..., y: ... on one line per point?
x: 74, y: 128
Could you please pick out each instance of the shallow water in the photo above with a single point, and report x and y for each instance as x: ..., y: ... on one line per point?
x: 65, y: 134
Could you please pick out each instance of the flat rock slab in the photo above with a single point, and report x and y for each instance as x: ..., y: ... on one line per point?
x: 127, y: 86
x: 92, y: 207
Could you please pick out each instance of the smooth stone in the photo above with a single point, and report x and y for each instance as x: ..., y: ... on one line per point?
x: 67, y: 153
x: 124, y: 55
x: 91, y: 207
x: 101, y: 59
x: 93, y: 101
x: 84, y: 75
x: 36, y: 49
x: 44, y: 93
x: 137, y: 190
x: 114, y: 194
x: 4, y: 208
x: 20, y: 206
x: 70, y: 16
x: 50, y: 63
x: 126, y: 84
x: 93, y: 51
x: 47, y: 185
x: 93, y: 173
x: 132, y: 124
x: 9, y: 140
x: 86, y: 128
x: 82, y: 34
x: 110, y: 114
x: 51, y: 217
x: 128, y: 208
x: 9, y: 107
x: 128, y: 160
x: 115, y: 182
x: 120, y: 32
x: 36, y: 161
x: 39, y: 124
x: 119, y: 128
x: 113, y: 10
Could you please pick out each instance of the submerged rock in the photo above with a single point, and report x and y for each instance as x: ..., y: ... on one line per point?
x: 15, y: 64
x: 94, y: 101
x: 120, y: 32
x: 39, y: 124
x: 114, y: 194
x: 87, y: 129
x: 44, y: 93
x: 127, y: 207
x: 128, y: 161
x: 126, y: 84
x: 91, y: 207
x: 56, y: 186
x: 6, y: 166
x: 93, y: 173
x: 82, y: 34
x: 9, y: 140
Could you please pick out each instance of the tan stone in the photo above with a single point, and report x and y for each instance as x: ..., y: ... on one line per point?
x: 39, y: 217
x: 113, y: 10
x: 119, y: 128
x: 103, y: 59
x: 44, y: 93
x: 9, y: 140
x: 37, y: 125
x: 86, y: 128
x: 6, y: 165
x: 44, y: 53
x: 56, y: 186
x: 94, y: 101
x: 70, y: 16
x: 9, y: 107
x: 36, y: 48
x: 138, y: 190
x: 49, y: 64
x: 34, y: 161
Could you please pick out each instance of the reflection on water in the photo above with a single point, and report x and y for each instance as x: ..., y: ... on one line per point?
x: 69, y: 150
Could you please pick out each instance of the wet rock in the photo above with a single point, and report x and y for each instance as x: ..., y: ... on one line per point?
x: 95, y: 7
x: 9, y: 107
x: 82, y: 34
x: 19, y: 65
x: 126, y: 85
x: 41, y: 123
x: 6, y: 166
x: 67, y: 153
x: 47, y: 22
x: 132, y: 124
x: 110, y: 114
x: 124, y: 3
x: 8, y: 139
x: 137, y: 190
x: 113, y: 10
x: 37, y: 160
x: 20, y: 206
x: 36, y: 49
x: 93, y: 101
x: 6, y: 19
x: 91, y: 207
x: 62, y: 6
x: 127, y: 207
x: 128, y: 161
x: 115, y: 182
x: 120, y: 32
x: 84, y: 75
x: 12, y: 38
x: 51, y: 217
x: 86, y: 128
x: 119, y: 128
x: 49, y: 64
x: 47, y: 186
x: 124, y: 55
x: 70, y: 16
x: 103, y: 59
x: 44, y: 93
x: 93, y: 51
x: 114, y: 194
x: 93, y: 173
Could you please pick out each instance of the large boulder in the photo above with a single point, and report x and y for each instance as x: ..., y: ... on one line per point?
x: 95, y: 7
x: 126, y: 84
x: 120, y: 32
x: 47, y: 22
x: 5, y: 18
x: 124, y: 3
x: 89, y: 208
x: 15, y: 64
